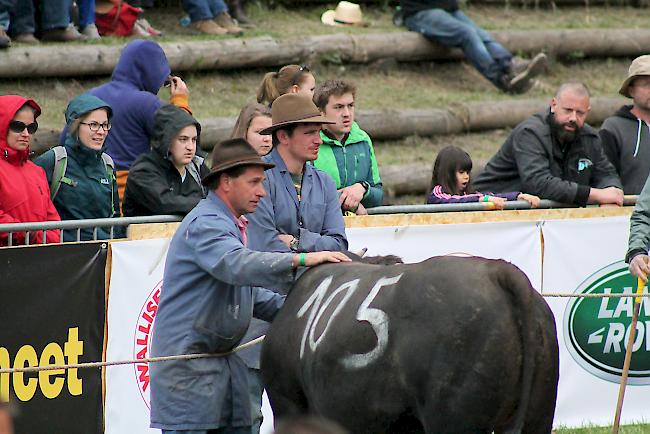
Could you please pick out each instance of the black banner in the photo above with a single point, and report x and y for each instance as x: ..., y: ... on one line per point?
x: 52, y: 309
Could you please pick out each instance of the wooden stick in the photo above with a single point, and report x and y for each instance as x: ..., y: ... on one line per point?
x: 628, y: 356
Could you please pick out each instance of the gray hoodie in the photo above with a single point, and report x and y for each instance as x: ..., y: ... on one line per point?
x: 626, y: 142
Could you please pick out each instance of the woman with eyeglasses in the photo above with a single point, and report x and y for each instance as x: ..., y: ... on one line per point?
x: 80, y: 175
x: 167, y: 180
x: 24, y: 191
x: 289, y: 79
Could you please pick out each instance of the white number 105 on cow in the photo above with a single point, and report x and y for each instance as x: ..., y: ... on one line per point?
x: 376, y: 317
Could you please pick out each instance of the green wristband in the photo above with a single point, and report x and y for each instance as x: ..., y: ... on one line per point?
x: 486, y: 198
x: 301, y: 259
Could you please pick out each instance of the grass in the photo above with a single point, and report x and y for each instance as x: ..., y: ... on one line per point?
x: 639, y: 428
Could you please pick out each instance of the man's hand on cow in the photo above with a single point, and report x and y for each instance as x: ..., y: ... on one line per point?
x: 286, y: 239
x: 350, y: 197
x: 315, y: 258
x: 603, y: 196
x: 640, y: 266
x: 533, y: 200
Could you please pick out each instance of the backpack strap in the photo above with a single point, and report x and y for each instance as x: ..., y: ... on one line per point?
x: 60, y: 166
x: 109, y: 166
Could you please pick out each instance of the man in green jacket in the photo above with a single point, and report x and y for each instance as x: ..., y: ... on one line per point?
x: 637, y: 250
x: 347, y: 154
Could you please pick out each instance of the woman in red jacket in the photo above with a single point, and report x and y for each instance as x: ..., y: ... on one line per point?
x: 24, y: 192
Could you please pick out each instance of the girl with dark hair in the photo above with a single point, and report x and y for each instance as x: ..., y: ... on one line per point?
x: 289, y: 79
x: 450, y: 182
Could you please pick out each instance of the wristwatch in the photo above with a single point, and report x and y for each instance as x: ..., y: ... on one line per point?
x: 293, y: 245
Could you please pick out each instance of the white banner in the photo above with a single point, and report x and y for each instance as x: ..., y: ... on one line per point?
x: 579, y: 256
x: 136, y: 278
x: 516, y: 242
x: 586, y: 256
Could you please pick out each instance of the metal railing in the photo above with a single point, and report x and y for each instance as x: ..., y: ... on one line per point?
x: 77, y: 226
x: 110, y: 224
x: 629, y: 200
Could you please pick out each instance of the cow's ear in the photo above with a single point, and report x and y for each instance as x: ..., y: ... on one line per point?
x: 361, y: 252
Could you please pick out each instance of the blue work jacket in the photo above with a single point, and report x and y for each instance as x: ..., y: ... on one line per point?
x: 206, y: 303
x: 316, y: 220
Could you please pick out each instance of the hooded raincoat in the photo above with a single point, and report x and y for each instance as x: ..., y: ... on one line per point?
x: 24, y: 190
x: 154, y: 185
x: 132, y: 92
x: 626, y: 142
x: 91, y: 192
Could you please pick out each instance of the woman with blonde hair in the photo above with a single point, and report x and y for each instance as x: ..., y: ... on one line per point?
x: 253, y: 118
x: 289, y: 79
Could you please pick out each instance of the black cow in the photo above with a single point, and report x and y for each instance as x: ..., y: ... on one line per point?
x: 448, y: 345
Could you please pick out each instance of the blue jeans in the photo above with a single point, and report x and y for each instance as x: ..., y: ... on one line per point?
x: 55, y: 14
x: 456, y: 30
x: 204, y: 9
x: 6, y: 7
x: 86, y: 12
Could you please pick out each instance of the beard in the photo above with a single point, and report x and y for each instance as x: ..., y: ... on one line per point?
x: 562, y: 135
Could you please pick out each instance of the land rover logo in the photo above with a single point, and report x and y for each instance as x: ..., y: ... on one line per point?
x: 596, y: 330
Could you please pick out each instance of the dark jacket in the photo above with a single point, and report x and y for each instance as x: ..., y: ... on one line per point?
x: 154, y: 185
x: 412, y: 7
x: 24, y: 191
x: 533, y: 161
x: 92, y: 193
x: 626, y: 142
x: 132, y: 92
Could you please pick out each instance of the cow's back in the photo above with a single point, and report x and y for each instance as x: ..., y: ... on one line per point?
x: 375, y: 347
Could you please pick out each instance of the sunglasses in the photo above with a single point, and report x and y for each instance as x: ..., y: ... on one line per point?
x: 297, y: 75
x: 18, y: 127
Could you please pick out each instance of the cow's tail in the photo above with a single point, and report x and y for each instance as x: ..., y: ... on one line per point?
x: 521, y: 291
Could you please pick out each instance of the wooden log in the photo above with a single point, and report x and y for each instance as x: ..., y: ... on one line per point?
x: 56, y: 61
x: 397, y: 124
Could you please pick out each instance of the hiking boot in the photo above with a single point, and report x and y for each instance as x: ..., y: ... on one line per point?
x: 26, y: 38
x: 237, y: 10
x: 523, y: 81
x: 224, y: 20
x: 5, y: 41
x: 91, y: 32
x: 209, y: 27
x: 67, y: 34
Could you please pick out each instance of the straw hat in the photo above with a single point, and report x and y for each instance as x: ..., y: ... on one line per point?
x: 345, y: 14
x: 294, y: 108
x: 232, y: 153
x: 640, y: 66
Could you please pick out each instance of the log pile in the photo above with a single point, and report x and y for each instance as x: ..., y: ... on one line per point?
x: 397, y: 124
x: 56, y: 61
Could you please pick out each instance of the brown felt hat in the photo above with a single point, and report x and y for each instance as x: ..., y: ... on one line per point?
x: 233, y: 153
x: 639, y: 67
x: 294, y: 108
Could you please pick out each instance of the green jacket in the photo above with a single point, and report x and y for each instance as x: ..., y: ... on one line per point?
x: 351, y: 161
x: 640, y: 225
